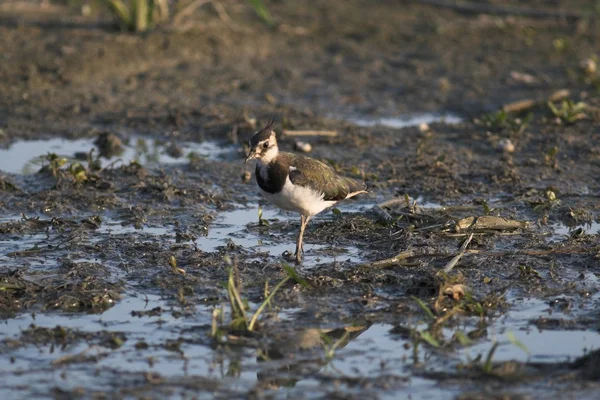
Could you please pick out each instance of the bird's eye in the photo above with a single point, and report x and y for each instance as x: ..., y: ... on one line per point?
x: 265, y: 145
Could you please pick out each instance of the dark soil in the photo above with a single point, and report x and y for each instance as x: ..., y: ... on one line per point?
x: 323, y: 64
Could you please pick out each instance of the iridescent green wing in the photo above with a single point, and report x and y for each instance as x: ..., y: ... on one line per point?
x: 311, y: 173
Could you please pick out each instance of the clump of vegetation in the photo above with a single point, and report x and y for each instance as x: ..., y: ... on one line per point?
x: 568, y: 111
x: 241, y: 319
x: 488, y: 366
x: 55, y: 163
x: 78, y: 172
x: 503, y: 120
x: 63, y: 168
x: 545, y: 203
x: 143, y: 15
x: 139, y: 15
x: 262, y: 221
x: 455, y: 299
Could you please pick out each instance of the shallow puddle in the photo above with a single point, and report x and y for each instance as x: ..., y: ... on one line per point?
x: 543, y: 345
x: 173, y: 343
x: 117, y: 228
x: 147, y: 325
x: 405, y: 121
x: 27, y: 156
x: 143, y: 319
x: 563, y: 232
x: 238, y: 227
x: 31, y: 246
x: 241, y: 227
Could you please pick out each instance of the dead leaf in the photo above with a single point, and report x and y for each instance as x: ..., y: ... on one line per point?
x: 488, y: 222
x: 457, y: 291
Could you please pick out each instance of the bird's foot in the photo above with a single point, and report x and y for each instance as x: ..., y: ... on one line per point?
x: 298, y: 254
x: 297, y: 257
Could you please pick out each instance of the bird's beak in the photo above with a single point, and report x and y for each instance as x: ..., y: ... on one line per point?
x: 251, y: 155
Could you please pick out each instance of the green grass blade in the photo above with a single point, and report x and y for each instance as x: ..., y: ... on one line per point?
x: 427, y: 310
x: 234, y: 308
x: 293, y: 274
x: 161, y: 10
x: 265, y: 302
x: 237, y: 305
x: 142, y: 11
x: 513, y: 339
x: 120, y: 10
x: 489, y: 365
x: 261, y: 10
x: 428, y: 338
x: 330, y: 353
x: 463, y: 339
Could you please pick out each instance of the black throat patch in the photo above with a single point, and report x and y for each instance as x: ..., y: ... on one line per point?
x: 277, y: 174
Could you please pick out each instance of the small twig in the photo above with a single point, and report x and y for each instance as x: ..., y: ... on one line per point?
x: 287, y: 132
x: 392, y: 202
x: 388, y: 262
x: 484, y: 233
x: 110, y: 165
x: 539, y: 252
x: 519, y: 105
x: 11, y: 286
x: 385, y: 216
x: 408, y: 254
x: 188, y: 10
x: 439, y: 321
x: 447, y: 226
x: 381, y: 213
x: 523, y: 105
x: 295, y: 30
x: 478, y: 8
x: 457, y: 257
x: 79, y: 357
x: 34, y: 250
x: 459, y: 208
x: 518, y: 252
x: 487, y: 223
x: 222, y: 13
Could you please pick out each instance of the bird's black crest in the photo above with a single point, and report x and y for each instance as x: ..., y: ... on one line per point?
x: 269, y: 124
x: 263, y: 134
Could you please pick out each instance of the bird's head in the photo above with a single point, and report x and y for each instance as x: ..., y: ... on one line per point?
x: 263, y: 144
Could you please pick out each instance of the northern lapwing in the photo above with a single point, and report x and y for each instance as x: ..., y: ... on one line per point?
x: 297, y: 183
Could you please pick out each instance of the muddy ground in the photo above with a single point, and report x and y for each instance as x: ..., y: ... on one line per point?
x: 120, y: 278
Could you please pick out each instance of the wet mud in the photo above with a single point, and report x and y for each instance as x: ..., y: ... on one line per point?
x: 138, y: 260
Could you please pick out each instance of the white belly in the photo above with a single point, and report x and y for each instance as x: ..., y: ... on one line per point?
x: 299, y: 199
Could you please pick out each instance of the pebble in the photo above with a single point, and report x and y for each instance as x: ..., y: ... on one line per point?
x: 588, y: 66
x: 506, y: 145
x: 246, y: 176
x: 303, y: 147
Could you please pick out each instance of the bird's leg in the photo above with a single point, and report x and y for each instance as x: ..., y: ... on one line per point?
x: 299, y: 245
x: 298, y: 252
